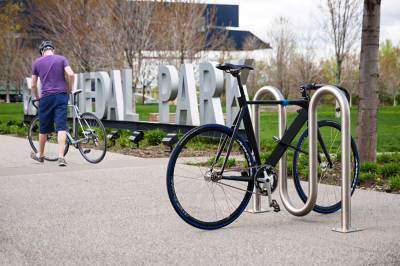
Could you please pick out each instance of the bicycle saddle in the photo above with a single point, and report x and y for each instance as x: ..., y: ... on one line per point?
x: 229, y: 68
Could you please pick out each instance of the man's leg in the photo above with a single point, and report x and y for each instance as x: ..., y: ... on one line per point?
x: 42, y: 143
x: 60, y: 118
x: 61, y: 138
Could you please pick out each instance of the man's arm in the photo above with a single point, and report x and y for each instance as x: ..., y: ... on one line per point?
x: 70, y: 78
x: 34, y: 86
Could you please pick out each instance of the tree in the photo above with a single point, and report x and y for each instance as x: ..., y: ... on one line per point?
x: 389, y: 67
x: 283, y: 43
x: 304, y: 67
x: 80, y: 29
x: 342, y: 28
x: 351, y: 74
x: 368, y: 104
x: 136, y: 37
x: 11, y: 45
x: 186, y: 28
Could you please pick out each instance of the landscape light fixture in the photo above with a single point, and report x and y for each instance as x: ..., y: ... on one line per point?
x: 136, y: 137
x: 113, y: 136
x: 169, y: 140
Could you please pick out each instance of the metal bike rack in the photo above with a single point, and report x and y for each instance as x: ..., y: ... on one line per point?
x: 345, y: 129
x: 256, y: 199
x: 283, y: 190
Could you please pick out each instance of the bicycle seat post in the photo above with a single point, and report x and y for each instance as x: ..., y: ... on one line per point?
x: 242, y: 98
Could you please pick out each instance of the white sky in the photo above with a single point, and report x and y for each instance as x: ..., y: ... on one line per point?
x: 258, y: 17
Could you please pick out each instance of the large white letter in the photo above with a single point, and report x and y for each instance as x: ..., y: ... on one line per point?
x: 187, y: 112
x: 100, y: 81
x: 129, y: 101
x: 116, y: 101
x: 211, y: 87
x: 167, y: 90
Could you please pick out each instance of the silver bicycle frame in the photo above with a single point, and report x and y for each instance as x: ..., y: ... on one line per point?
x: 75, y: 117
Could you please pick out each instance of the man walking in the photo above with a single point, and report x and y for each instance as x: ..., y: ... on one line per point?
x: 51, y: 69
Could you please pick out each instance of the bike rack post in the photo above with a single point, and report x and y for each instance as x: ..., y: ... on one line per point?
x: 256, y: 199
x: 345, y: 129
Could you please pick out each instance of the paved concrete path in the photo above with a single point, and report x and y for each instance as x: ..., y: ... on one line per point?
x: 118, y: 213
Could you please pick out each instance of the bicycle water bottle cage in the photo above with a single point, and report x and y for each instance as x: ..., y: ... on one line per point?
x: 233, y: 69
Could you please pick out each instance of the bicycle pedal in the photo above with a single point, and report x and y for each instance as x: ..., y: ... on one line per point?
x: 86, y: 151
x: 275, y: 205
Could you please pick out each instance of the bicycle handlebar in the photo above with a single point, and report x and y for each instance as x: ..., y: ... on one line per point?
x: 34, y: 102
x: 315, y: 86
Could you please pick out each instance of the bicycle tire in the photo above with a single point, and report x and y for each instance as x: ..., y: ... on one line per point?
x: 33, y: 129
x: 331, y: 182
x: 100, y: 142
x: 185, y: 158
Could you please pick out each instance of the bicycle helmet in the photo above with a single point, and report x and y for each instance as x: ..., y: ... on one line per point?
x: 45, y: 45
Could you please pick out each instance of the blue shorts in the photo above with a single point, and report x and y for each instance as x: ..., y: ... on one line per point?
x: 53, y: 109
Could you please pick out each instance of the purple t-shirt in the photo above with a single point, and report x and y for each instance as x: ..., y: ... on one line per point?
x: 50, y: 69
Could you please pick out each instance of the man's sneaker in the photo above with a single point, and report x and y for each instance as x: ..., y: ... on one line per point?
x: 35, y: 157
x: 62, y: 162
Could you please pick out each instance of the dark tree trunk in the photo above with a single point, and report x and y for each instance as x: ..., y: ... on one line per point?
x: 8, y: 91
x: 143, y: 93
x: 368, y: 104
x: 338, y: 75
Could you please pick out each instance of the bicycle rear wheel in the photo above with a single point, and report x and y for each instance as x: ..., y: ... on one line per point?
x: 51, y: 146
x: 329, y: 176
x: 199, y: 196
x: 92, y: 137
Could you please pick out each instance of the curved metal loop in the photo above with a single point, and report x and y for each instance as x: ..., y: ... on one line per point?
x: 345, y: 156
x: 256, y: 201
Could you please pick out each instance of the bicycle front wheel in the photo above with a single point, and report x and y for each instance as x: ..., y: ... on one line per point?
x: 92, y: 138
x: 200, y: 196
x: 51, y: 146
x: 329, y: 172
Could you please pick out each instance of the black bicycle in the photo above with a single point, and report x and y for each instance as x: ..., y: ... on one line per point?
x: 213, y: 169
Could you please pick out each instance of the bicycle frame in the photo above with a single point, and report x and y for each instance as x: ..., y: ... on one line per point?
x: 76, y: 114
x: 283, y: 144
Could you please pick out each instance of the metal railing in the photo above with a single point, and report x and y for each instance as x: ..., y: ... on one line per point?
x: 345, y: 156
x: 256, y: 199
x: 282, y: 178
x: 313, y: 162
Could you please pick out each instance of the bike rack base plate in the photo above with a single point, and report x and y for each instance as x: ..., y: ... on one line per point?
x: 256, y: 211
x: 350, y: 230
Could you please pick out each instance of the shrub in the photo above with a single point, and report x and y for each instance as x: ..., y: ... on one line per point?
x: 385, y: 99
x: 383, y: 158
x: 368, y: 176
x: 378, y: 181
x: 396, y: 157
x: 123, y: 142
x: 369, y: 167
x: 394, y: 182
x: 154, y: 137
x: 390, y: 169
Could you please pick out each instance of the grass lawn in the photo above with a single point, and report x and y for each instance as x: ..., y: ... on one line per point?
x: 11, y: 111
x: 388, y: 122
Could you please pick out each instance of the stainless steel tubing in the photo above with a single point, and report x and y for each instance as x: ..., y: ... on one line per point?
x: 256, y: 200
x: 312, y: 131
x: 283, y: 190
